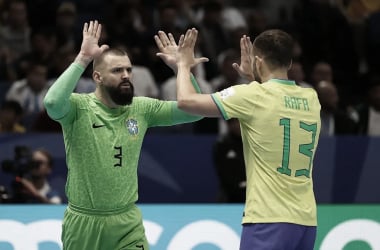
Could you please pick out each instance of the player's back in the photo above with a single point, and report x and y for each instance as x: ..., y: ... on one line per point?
x: 280, y: 138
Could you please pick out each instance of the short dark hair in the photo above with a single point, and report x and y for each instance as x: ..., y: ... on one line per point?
x: 276, y: 48
x: 112, y: 51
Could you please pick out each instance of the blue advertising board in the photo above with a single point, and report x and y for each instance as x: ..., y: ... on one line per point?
x: 191, y: 227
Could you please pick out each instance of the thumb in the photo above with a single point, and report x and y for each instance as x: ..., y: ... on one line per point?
x: 201, y: 60
x: 163, y: 56
x: 104, y: 47
x: 236, y: 67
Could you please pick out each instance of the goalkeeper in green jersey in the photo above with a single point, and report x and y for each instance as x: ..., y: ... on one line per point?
x: 103, y: 134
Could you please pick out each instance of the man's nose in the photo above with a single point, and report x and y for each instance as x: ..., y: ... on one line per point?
x: 126, y: 74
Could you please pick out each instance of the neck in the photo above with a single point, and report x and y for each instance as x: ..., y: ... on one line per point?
x: 275, y: 75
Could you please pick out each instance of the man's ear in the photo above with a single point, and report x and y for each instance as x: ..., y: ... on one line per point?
x: 97, y: 77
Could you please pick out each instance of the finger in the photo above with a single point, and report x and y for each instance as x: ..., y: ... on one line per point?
x: 181, y: 40
x: 95, y: 29
x: 187, y: 38
x: 194, y: 35
x: 172, y: 40
x: 164, y: 38
x: 98, y: 31
x: 85, y: 28
x: 158, y: 42
x: 90, y: 28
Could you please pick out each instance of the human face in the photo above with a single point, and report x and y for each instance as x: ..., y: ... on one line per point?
x: 41, y: 166
x: 114, y: 79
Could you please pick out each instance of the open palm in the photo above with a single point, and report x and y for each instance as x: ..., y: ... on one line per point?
x: 91, y: 34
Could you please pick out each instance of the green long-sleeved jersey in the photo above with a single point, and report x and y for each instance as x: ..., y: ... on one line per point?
x: 103, y: 144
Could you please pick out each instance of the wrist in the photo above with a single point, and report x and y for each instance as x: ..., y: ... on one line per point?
x: 83, y: 60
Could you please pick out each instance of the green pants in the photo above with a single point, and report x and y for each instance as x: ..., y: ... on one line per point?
x: 121, y: 229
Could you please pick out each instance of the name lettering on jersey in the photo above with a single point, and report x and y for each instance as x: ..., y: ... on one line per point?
x: 132, y: 126
x: 296, y: 103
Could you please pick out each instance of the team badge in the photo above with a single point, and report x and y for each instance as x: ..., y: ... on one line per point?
x: 225, y: 93
x: 132, y: 126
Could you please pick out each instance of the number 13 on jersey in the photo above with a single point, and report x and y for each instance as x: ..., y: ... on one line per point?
x: 305, y: 149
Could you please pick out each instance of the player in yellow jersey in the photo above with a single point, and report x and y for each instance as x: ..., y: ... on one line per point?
x: 280, y: 125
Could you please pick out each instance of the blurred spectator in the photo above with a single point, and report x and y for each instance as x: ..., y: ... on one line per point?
x: 66, y: 25
x: 62, y: 60
x: 214, y: 36
x: 14, y: 39
x: 166, y: 18
x: 227, y: 75
x: 34, y: 187
x: 168, y: 92
x: 229, y: 164
x: 15, y: 34
x: 143, y: 82
x: 257, y: 22
x: 44, y: 45
x: 30, y: 91
x: 124, y: 25
x: 297, y: 74
x: 44, y: 124
x: 334, y: 121
x: 357, y: 10
x: 10, y: 117
x: 368, y: 113
x: 321, y: 71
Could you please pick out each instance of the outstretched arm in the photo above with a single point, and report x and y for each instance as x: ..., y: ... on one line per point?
x: 56, y: 101
x: 188, y: 99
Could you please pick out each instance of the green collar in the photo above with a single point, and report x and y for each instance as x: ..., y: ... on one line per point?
x: 283, y: 81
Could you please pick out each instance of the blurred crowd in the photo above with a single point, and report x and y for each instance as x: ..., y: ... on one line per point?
x: 338, y: 46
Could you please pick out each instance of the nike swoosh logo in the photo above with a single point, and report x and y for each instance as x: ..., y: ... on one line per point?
x: 97, y: 126
x: 140, y: 246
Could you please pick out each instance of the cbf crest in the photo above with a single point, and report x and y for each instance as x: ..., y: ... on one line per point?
x: 132, y: 126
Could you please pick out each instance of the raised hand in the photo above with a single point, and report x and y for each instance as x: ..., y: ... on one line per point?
x: 168, y: 49
x: 90, y: 48
x: 185, y: 52
x: 245, y: 69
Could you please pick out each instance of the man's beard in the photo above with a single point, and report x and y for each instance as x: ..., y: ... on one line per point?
x: 119, y: 95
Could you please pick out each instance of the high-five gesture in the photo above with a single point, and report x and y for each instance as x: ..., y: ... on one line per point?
x: 90, y: 48
x: 245, y: 69
x: 168, y: 49
x: 186, y: 44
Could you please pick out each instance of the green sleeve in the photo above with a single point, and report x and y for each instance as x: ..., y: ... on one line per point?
x: 57, y: 99
x: 180, y: 116
x: 195, y: 84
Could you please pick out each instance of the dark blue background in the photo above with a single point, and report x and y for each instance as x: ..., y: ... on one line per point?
x: 179, y: 168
